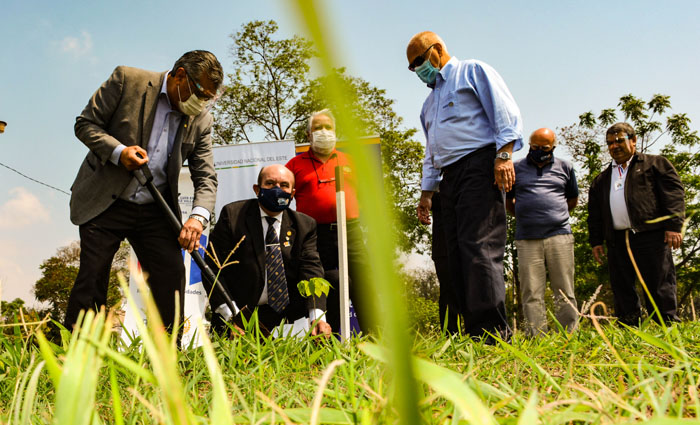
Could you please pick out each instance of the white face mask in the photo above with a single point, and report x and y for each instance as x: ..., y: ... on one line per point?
x: 193, y: 106
x: 323, y: 141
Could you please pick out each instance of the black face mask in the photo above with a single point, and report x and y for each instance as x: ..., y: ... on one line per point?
x: 539, y: 156
x: 274, y: 198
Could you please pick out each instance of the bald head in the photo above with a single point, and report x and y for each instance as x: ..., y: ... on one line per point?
x: 275, y: 174
x: 543, y: 137
x: 420, y: 42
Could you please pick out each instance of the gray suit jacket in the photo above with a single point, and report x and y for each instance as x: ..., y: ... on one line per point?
x: 122, y: 111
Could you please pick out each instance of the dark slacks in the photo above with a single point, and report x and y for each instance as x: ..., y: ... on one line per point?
x: 655, y: 263
x: 447, y: 302
x: 475, y: 229
x: 156, y: 247
x: 361, y: 293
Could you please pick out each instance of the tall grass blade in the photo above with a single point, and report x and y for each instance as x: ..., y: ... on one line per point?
x: 380, y: 246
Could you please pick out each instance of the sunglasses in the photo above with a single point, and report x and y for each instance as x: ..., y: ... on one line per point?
x: 617, y: 140
x: 420, y: 59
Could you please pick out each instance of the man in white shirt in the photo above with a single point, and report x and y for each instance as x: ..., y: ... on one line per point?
x: 623, y: 203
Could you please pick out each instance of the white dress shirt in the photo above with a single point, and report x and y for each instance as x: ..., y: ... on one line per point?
x: 618, y: 206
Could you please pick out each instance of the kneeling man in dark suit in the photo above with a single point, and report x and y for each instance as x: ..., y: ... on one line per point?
x: 278, y: 251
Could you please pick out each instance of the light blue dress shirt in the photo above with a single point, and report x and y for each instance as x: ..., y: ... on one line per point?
x: 160, y: 146
x: 469, y: 108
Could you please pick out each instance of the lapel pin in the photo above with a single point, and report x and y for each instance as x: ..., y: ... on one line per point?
x: 289, y: 233
x: 286, y: 244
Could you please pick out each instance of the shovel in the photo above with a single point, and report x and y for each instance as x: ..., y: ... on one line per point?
x: 209, y: 280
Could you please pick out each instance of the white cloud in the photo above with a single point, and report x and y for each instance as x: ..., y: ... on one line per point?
x: 77, y: 46
x: 22, y: 209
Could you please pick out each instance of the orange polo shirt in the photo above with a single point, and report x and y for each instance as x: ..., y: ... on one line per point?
x: 315, y: 186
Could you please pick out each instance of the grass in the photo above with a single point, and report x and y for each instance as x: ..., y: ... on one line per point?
x: 554, y: 379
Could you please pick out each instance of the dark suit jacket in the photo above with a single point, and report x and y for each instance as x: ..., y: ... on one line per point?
x: 122, y: 111
x: 653, y: 189
x: 245, y: 280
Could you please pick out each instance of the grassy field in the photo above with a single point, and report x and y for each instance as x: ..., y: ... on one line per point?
x: 610, y: 375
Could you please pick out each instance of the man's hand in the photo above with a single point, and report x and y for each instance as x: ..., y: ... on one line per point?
x: 130, y: 160
x: 189, y: 235
x: 504, y: 172
x: 321, y: 328
x: 598, y: 253
x: 673, y: 239
x: 424, y: 206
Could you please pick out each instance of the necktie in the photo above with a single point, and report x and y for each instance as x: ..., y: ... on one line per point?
x: 277, y: 295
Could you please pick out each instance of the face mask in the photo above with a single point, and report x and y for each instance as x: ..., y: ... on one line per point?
x: 323, y: 141
x: 539, y: 156
x: 193, y: 106
x: 427, y: 72
x: 274, y: 199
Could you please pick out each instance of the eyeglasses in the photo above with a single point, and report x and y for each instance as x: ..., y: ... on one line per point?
x: 202, y: 93
x: 331, y: 180
x: 617, y: 140
x: 420, y: 59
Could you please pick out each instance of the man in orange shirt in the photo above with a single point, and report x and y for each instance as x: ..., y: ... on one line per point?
x: 314, y: 172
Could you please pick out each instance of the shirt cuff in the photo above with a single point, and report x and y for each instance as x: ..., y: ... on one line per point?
x: 201, y: 211
x: 116, y: 154
x: 316, y: 313
x: 430, y: 185
x: 225, y: 312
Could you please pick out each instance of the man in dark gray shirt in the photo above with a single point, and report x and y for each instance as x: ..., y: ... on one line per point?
x: 545, y: 190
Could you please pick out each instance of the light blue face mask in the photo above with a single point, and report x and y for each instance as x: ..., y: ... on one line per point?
x: 427, y: 72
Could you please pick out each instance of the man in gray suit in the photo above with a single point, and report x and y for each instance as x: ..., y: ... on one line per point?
x: 141, y: 117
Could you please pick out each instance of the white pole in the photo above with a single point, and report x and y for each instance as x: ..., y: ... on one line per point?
x: 343, y: 290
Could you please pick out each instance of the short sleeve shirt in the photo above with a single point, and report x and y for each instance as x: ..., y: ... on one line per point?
x: 315, y: 186
x: 540, y: 196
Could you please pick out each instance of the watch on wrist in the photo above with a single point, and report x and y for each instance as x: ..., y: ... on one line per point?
x: 200, y: 219
x: 503, y: 155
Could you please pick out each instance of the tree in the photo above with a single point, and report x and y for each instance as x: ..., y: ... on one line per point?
x: 59, y: 273
x: 265, y: 86
x: 656, y: 128
x: 271, y: 92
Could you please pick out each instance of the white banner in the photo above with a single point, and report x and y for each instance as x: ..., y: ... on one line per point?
x: 237, y: 168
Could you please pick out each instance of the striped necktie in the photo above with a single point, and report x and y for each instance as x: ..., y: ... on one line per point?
x: 277, y: 294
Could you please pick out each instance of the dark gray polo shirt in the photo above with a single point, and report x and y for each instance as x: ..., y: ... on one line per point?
x: 540, y: 198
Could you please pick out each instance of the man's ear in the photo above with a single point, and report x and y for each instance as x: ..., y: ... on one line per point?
x: 293, y: 192
x: 256, y: 189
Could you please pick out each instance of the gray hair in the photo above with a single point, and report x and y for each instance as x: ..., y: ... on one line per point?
x: 198, y: 63
x: 327, y: 112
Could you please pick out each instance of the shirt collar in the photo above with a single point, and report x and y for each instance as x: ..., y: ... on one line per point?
x: 313, y: 156
x: 164, y: 91
x: 448, y: 68
x: 627, y: 164
x: 263, y: 214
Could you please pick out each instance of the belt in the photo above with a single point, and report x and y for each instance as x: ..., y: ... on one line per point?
x: 448, y: 168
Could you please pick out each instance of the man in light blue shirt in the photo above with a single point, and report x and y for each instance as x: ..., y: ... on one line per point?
x: 472, y: 125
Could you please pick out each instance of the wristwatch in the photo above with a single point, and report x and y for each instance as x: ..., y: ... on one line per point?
x: 503, y: 155
x: 200, y: 219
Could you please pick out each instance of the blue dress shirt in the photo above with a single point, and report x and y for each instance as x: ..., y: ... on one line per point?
x: 160, y: 146
x: 469, y: 108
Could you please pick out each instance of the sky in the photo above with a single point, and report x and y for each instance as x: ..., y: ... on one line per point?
x: 559, y: 59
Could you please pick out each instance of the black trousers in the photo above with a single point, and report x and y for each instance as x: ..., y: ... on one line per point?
x: 361, y: 293
x: 447, y: 302
x: 155, y: 244
x: 655, y: 263
x: 474, y: 217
